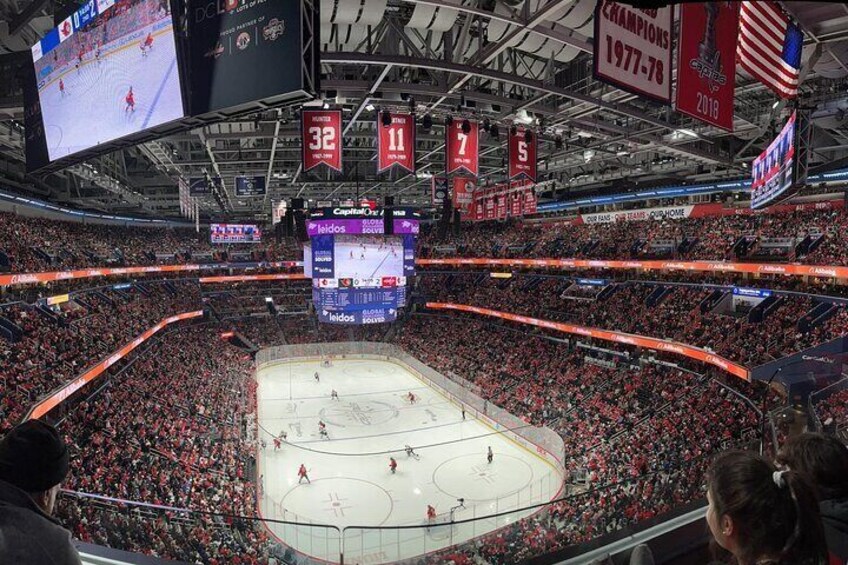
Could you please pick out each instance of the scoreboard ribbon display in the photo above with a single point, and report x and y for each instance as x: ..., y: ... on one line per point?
x: 522, y: 154
x: 462, y: 150
x: 396, y: 143
x: 633, y: 48
x: 321, y: 132
x: 706, y: 66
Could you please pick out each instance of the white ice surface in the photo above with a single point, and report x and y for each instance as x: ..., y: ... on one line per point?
x: 92, y: 110
x: 351, y: 482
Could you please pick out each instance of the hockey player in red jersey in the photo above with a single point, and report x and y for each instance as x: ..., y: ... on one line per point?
x: 431, y: 513
x: 392, y: 465
x: 130, y: 100
x: 62, y: 87
x: 276, y: 443
x: 301, y: 473
x: 148, y: 42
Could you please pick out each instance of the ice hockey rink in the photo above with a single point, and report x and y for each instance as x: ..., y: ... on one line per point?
x: 351, y: 484
x: 93, y: 109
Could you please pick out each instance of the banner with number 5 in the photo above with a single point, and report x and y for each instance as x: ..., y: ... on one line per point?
x: 396, y: 143
x: 522, y: 154
x: 461, y: 149
x: 322, y: 139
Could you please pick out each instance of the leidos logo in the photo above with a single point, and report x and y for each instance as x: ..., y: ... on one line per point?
x: 341, y: 318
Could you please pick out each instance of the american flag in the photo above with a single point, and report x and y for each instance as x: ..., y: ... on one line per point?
x: 770, y: 47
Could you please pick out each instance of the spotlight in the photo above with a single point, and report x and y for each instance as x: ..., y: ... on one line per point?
x: 466, y: 126
x: 369, y: 108
x: 528, y: 136
x: 387, y: 118
x: 427, y: 122
x: 326, y: 105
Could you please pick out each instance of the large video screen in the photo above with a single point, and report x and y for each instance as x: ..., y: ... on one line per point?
x: 364, y: 257
x: 107, y: 71
x: 235, y: 233
x: 774, y: 170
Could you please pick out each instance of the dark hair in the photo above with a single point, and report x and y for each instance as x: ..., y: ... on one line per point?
x: 821, y: 459
x: 778, y: 522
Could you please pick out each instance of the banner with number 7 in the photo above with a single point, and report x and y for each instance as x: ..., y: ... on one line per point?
x: 321, y: 140
x: 462, y: 148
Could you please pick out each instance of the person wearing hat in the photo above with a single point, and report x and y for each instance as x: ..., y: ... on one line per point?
x: 33, y: 463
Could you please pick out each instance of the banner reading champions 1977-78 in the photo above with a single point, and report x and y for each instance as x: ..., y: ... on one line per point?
x: 706, y: 66
x: 633, y: 48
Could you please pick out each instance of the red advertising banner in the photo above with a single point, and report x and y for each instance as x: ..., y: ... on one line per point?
x: 396, y: 143
x: 463, y: 195
x: 321, y: 140
x: 35, y: 278
x: 522, y: 145
x: 633, y: 48
x: 462, y: 150
x: 706, y: 64
x: 788, y: 269
x: 656, y: 344
x: 66, y: 391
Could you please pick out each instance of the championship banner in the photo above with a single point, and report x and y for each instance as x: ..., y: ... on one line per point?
x: 706, y: 65
x: 463, y: 195
x: 633, y: 49
x: 321, y: 132
x: 522, y: 154
x: 439, y: 190
x: 396, y: 143
x: 462, y: 149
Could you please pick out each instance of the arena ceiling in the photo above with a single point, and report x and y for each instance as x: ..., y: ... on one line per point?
x: 508, y: 61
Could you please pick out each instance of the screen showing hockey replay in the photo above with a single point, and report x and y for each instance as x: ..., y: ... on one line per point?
x: 109, y: 70
x: 368, y: 257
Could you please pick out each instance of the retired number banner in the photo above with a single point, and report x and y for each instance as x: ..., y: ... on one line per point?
x: 322, y: 139
x: 706, y: 66
x: 396, y: 143
x: 522, y: 154
x: 633, y: 48
x: 461, y: 149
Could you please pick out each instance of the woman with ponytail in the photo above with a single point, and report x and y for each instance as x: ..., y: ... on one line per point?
x: 762, y: 515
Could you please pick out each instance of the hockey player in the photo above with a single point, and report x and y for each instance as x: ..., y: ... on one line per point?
x: 334, y: 395
x: 97, y: 54
x: 411, y: 452
x: 148, y: 41
x: 431, y: 514
x: 80, y: 55
x: 411, y: 397
x: 283, y: 435
x: 62, y: 87
x: 261, y: 484
x: 392, y: 465
x: 317, y: 377
x: 302, y: 474
x: 322, y: 430
x: 490, y: 455
x: 276, y: 443
x: 130, y: 100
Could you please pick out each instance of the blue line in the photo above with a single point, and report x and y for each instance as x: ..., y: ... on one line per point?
x: 158, y: 94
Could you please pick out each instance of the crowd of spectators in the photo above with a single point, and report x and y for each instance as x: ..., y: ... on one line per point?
x: 642, y: 435
x: 709, y: 238
x: 171, y: 430
x: 56, y: 344
x: 691, y: 315
x: 832, y: 410
x: 38, y: 244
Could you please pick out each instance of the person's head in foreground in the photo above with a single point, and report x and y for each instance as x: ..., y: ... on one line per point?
x: 33, y: 464
x: 763, y: 515
x: 823, y: 461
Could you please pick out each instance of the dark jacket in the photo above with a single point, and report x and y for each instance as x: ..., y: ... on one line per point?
x: 28, y: 536
x: 834, y: 514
